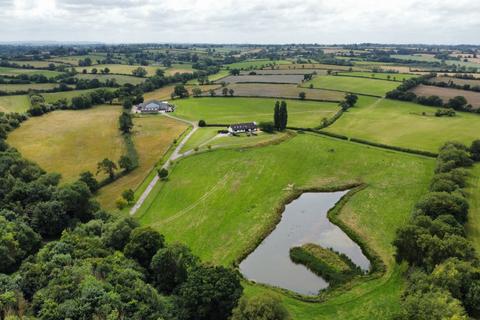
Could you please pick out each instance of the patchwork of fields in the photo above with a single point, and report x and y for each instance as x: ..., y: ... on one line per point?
x: 291, y: 78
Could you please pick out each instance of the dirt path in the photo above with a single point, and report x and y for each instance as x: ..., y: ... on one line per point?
x: 174, y: 156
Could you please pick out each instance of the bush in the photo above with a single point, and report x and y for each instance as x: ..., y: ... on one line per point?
x: 121, y: 203
x: 267, y: 126
x: 162, y: 173
x: 475, y: 150
x: 435, y: 204
x: 202, y: 123
x: 263, y: 307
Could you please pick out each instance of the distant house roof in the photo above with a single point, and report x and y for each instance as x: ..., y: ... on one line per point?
x: 155, y: 105
x: 249, y: 126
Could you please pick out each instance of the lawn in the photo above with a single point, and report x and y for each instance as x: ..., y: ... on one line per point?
x: 229, y: 110
x: 201, y: 136
x: 383, y: 75
x: 120, y: 68
x: 121, y: 79
x: 220, y: 202
x: 473, y: 224
x: 153, y: 135
x: 14, y: 71
x: 374, y: 87
x: 70, y: 142
x: 26, y: 87
x: 19, y: 103
x: 403, y: 124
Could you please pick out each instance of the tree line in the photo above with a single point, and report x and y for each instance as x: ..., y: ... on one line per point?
x: 444, y: 270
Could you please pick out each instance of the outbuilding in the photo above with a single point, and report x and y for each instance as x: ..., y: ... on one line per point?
x: 154, y: 106
x: 243, y: 127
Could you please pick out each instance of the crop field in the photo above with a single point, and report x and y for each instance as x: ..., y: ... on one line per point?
x: 256, y: 64
x: 281, y: 91
x: 403, y: 124
x: 152, y: 136
x: 472, y: 97
x: 229, y: 110
x: 16, y: 71
x: 290, y: 78
x: 26, y: 87
x: 383, y: 76
x: 374, y: 87
x: 470, y: 82
x: 120, y: 68
x: 285, y: 71
x: 240, y: 196
x: 70, y: 142
x: 19, y: 103
x: 121, y: 79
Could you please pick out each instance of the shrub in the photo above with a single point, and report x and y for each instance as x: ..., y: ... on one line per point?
x: 435, y: 204
x: 267, y: 126
x: 202, y: 123
x: 162, y: 173
x: 121, y: 203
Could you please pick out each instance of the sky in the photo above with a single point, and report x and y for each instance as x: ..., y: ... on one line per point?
x: 247, y: 21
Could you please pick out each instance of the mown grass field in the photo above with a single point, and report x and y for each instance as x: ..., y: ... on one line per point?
x: 152, y: 136
x: 285, y: 91
x: 70, y: 142
x: 402, y: 124
x: 201, y: 136
x: 121, y: 79
x: 447, y: 93
x: 19, y: 103
x: 16, y: 71
x: 229, y: 110
x: 374, y: 87
x: 223, y: 213
x: 26, y: 87
x: 120, y: 68
x: 383, y: 76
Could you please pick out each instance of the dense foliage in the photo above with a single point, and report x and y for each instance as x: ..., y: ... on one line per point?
x: 444, y: 278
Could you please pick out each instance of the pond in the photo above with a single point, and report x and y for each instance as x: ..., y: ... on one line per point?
x: 303, y: 221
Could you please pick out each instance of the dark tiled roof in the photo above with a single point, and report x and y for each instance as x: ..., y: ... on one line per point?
x: 244, y: 126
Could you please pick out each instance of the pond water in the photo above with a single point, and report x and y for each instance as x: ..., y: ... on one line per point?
x: 303, y: 221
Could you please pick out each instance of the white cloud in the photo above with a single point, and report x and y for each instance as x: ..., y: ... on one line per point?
x: 265, y: 21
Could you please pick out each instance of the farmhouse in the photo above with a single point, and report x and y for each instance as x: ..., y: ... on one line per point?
x: 154, y: 106
x: 243, y: 127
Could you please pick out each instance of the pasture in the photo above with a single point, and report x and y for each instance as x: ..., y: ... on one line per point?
x: 222, y: 215
x: 213, y: 77
x: 35, y: 63
x: 375, y: 87
x: 164, y: 93
x: 120, y: 79
x: 120, y: 68
x: 18, y: 103
x: 383, y: 75
x: 70, y: 142
x: 17, y: 71
x: 152, y: 136
x: 55, y: 96
x: 403, y: 124
x: 179, y: 68
x: 229, y: 110
x: 27, y: 87
x: 256, y: 64
x: 73, y: 60
x: 287, y: 91
x: 285, y: 71
x: 472, y: 97
x: 290, y: 78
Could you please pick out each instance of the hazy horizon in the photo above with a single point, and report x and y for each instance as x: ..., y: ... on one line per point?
x: 250, y: 22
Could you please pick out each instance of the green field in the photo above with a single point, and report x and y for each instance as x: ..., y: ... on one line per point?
x: 473, y: 224
x: 221, y: 110
x: 73, y: 60
x: 26, y: 87
x: 403, y: 124
x: 213, y: 77
x: 34, y: 63
x: 222, y: 214
x: 18, y: 104
x: 55, y: 96
x: 374, y: 87
x: 253, y: 64
x: 15, y: 71
x: 121, y: 79
x: 201, y: 136
x: 69, y: 142
x: 120, y: 68
x: 383, y: 75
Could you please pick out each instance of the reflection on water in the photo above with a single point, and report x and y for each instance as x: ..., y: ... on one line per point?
x: 303, y: 221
